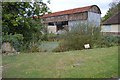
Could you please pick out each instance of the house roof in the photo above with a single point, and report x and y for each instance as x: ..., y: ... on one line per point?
x: 71, y: 11
x: 115, y: 19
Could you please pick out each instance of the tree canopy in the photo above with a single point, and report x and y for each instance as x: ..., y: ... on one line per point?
x: 17, y: 18
x: 114, y: 8
x: 18, y: 25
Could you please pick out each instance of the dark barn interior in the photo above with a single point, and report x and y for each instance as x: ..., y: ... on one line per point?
x: 60, y: 25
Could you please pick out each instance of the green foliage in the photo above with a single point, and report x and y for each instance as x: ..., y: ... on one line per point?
x: 17, y: 18
x: 108, y: 41
x: 52, y: 37
x: 79, y: 36
x: 114, y: 8
x: 44, y: 37
x: 61, y: 48
x: 34, y: 47
x: 49, y: 37
x: 16, y: 40
x: 31, y: 47
x: 85, y: 34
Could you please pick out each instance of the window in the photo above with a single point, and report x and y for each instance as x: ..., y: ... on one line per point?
x: 107, y: 28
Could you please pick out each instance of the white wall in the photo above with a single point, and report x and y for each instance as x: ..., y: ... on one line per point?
x: 110, y: 28
x: 52, y: 29
x: 94, y: 18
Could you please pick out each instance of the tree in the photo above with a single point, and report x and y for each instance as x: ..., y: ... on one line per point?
x: 114, y: 8
x: 17, y: 18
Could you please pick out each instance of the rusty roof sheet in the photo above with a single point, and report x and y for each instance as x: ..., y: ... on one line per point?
x: 70, y: 11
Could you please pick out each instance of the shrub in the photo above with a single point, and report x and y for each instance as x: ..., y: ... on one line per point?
x: 34, y: 47
x: 49, y: 37
x: 31, y: 46
x: 79, y: 35
x: 52, y: 37
x: 16, y: 40
x: 44, y: 37
x: 85, y: 34
x: 108, y: 41
x: 61, y: 48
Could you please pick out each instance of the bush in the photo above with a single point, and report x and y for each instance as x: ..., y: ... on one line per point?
x: 34, y: 47
x: 16, y: 40
x: 31, y: 46
x: 49, y: 37
x: 61, y: 48
x: 44, y: 37
x: 52, y: 37
x: 78, y: 36
x: 108, y: 41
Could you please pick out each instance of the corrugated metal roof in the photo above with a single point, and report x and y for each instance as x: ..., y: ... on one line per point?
x: 70, y: 11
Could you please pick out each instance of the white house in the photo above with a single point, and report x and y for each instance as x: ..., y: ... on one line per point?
x: 112, y: 25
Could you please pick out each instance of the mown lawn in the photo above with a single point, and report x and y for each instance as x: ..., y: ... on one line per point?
x: 97, y: 63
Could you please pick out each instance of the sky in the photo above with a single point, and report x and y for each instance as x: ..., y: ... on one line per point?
x: 60, y: 5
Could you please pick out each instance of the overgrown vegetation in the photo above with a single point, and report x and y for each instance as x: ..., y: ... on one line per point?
x: 16, y: 40
x: 17, y: 18
x: 108, y: 41
x: 49, y: 37
x: 114, y: 8
x: 76, y: 38
x: 85, y: 34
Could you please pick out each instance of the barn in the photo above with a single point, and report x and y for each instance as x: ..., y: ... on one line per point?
x: 67, y: 19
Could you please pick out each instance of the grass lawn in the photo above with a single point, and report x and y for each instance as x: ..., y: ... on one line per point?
x: 97, y: 63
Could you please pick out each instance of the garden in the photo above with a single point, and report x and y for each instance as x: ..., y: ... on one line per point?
x: 66, y: 57
x: 38, y: 54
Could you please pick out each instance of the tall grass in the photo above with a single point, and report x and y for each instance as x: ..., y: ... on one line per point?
x: 82, y: 34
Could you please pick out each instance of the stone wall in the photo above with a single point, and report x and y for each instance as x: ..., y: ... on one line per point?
x: 7, y: 48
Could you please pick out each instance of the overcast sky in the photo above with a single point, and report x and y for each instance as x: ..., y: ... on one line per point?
x: 59, y: 5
